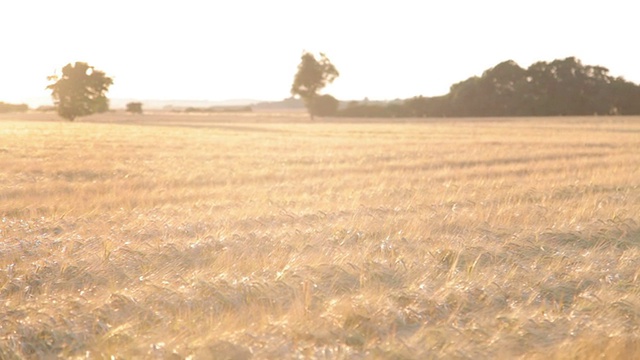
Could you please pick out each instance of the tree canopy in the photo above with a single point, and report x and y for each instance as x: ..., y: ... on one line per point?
x: 324, y: 105
x: 560, y: 87
x: 134, y: 107
x: 80, y: 91
x: 312, y: 76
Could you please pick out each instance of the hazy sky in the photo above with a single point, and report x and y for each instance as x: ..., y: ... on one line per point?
x: 218, y: 50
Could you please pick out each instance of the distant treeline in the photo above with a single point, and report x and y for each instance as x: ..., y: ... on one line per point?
x: 6, y: 108
x: 561, y: 87
x: 288, y: 103
x: 218, y: 109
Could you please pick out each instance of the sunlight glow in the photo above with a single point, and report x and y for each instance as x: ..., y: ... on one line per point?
x: 250, y: 49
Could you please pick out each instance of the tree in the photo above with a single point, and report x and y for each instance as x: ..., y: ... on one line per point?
x: 312, y: 76
x: 324, y: 105
x: 134, y: 107
x: 80, y: 91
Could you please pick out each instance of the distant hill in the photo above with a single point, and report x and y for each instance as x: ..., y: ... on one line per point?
x: 179, y: 104
x: 121, y: 103
x: 288, y: 103
x: 7, y: 108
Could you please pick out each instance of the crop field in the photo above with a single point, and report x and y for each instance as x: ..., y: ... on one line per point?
x: 264, y: 235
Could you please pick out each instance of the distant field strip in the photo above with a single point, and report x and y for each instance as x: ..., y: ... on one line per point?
x: 239, y: 236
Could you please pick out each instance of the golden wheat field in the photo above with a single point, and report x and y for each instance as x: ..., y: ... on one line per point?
x: 259, y: 236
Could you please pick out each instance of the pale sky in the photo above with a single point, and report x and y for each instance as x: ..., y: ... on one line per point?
x: 249, y: 49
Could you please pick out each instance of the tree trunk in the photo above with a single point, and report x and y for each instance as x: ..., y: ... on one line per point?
x: 309, y: 104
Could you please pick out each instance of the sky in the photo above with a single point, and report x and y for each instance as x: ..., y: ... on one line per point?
x: 249, y: 49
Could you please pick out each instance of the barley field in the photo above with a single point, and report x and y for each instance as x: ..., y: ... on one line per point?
x: 263, y: 235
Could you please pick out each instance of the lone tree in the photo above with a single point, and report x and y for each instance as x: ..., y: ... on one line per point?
x: 79, y: 91
x: 312, y: 76
x: 134, y: 107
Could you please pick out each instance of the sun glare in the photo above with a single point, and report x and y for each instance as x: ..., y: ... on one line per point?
x: 249, y: 49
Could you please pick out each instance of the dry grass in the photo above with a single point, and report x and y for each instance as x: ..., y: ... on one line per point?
x: 241, y: 236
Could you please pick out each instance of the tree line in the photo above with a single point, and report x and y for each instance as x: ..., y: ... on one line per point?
x: 6, y: 108
x: 560, y: 87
